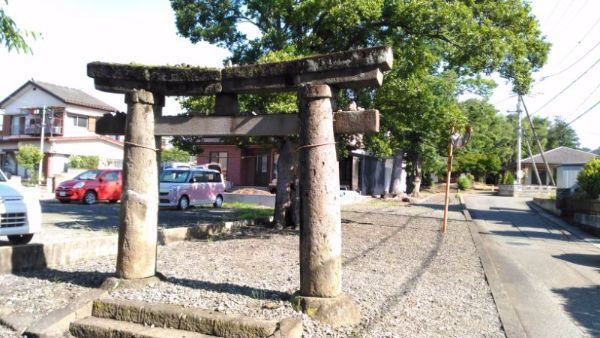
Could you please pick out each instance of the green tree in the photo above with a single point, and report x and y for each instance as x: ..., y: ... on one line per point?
x: 29, y: 156
x: 11, y: 36
x: 491, y: 147
x: 589, y: 178
x: 174, y: 155
x: 435, y: 42
x: 561, y: 134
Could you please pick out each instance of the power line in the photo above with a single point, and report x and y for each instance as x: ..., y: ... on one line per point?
x: 580, y: 41
x: 585, y: 112
x: 567, y: 87
x: 584, y: 101
x: 560, y: 19
x: 573, y: 64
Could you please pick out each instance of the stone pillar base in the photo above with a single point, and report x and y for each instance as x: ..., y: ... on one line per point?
x: 114, y: 283
x: 337, y: 311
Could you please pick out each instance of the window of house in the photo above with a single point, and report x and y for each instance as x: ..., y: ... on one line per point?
x: 79, y: 120
x: 262, y: 163
x: 219, y: 157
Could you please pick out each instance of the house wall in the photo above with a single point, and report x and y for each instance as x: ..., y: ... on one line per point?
x: 30, y: 98
x: 234, y: 158
x: 59, y: 152
x: 566, y: 176
x: 529, y: 178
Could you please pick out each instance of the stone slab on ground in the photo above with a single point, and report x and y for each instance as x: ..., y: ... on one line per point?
x: 93, y: 327
x: 56, y: 323
x: 37, y: 255
x: 188, y: 319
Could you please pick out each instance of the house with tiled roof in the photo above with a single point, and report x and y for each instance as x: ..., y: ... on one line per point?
x: 64, y: 117
x: 564, y: 162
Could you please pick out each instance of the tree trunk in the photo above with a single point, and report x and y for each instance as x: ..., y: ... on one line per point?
x: 286, y: 189
x: 414, y: 174
x: 417, y: 175
x: 395, y: 185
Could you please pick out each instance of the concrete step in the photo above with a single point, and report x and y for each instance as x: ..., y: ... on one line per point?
x: 195, y: 320
x: 92, y: 327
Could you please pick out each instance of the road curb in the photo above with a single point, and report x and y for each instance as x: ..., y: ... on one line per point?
x: 508, y: 316
x: 573, y: 230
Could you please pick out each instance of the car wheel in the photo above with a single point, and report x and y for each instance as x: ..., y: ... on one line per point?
x: 89, y: 197
x: 184, y: 203
x: 20, y: 239
x: 218, y: 202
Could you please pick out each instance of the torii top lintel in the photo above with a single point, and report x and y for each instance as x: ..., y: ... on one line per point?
x: 350, y: 69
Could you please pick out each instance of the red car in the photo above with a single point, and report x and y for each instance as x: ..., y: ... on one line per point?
x: 91, y: 186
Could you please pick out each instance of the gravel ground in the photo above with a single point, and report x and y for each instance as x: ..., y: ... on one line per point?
x: 408, y: 279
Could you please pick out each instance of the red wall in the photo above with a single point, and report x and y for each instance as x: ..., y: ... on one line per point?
x: 234, y: 155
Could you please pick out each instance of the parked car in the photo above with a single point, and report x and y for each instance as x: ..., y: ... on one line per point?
x: 183, y: 188
x: 20, y: 212
x: 91, y: 186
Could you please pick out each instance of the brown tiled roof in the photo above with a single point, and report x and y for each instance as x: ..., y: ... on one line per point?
x: 562, y: 155
x: 68, y: 95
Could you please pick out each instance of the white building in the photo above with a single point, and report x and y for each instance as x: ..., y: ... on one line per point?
x: 70, y: 121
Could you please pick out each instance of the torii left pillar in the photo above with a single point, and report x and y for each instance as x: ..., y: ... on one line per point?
x: 321, y: 294
x: 139, y: 203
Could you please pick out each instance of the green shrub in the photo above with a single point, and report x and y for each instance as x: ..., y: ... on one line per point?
x: 508, y: 178
x: 29, y: 156
x: 589, y: 178
x: 471, y: 177
x: 84, y: 162
x: 463, y: 183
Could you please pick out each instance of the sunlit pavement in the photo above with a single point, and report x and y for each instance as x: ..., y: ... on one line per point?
x: 551, y: 277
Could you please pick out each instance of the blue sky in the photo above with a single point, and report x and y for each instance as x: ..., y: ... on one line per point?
x: 76, y: 32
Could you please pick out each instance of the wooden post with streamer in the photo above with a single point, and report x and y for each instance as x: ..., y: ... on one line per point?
x: 455, y: 141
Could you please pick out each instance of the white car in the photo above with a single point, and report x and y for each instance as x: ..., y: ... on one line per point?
x: 20, y: 212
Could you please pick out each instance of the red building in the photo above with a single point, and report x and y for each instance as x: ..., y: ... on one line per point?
x: 249, y: 166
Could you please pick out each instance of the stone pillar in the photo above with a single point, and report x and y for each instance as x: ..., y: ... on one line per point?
x: 139, y: 204
x: 320, y: 218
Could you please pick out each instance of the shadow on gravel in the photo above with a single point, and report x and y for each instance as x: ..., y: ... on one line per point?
x: 581, y: 259
x: 386, y: 307
x: 90, y: 279
x: 582, y: 305
x: 351, y: 260
x: 229, y: 288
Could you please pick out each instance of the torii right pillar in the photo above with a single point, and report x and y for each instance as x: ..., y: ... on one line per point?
x: 321, y: 294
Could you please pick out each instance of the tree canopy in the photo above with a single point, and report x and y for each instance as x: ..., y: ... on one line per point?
x: 440, y: 50
x: 11, y: 36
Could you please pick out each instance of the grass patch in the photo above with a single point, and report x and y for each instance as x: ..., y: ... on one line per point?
x: 249, y: 211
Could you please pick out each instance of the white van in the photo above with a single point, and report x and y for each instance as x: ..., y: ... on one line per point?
x: 20, y: 212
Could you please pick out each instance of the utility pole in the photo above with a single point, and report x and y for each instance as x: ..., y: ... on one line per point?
x: 537, y: 139
x: 42, y: 132
x: 519, y: 173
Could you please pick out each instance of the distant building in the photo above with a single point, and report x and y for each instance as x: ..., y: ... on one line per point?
x: 252, y: 165
x: 565, y: 163
x: 70, y: 120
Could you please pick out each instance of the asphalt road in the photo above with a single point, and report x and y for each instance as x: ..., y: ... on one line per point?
x: 550, y: 276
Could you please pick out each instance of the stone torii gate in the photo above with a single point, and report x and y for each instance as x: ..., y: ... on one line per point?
x: 316, y: 80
